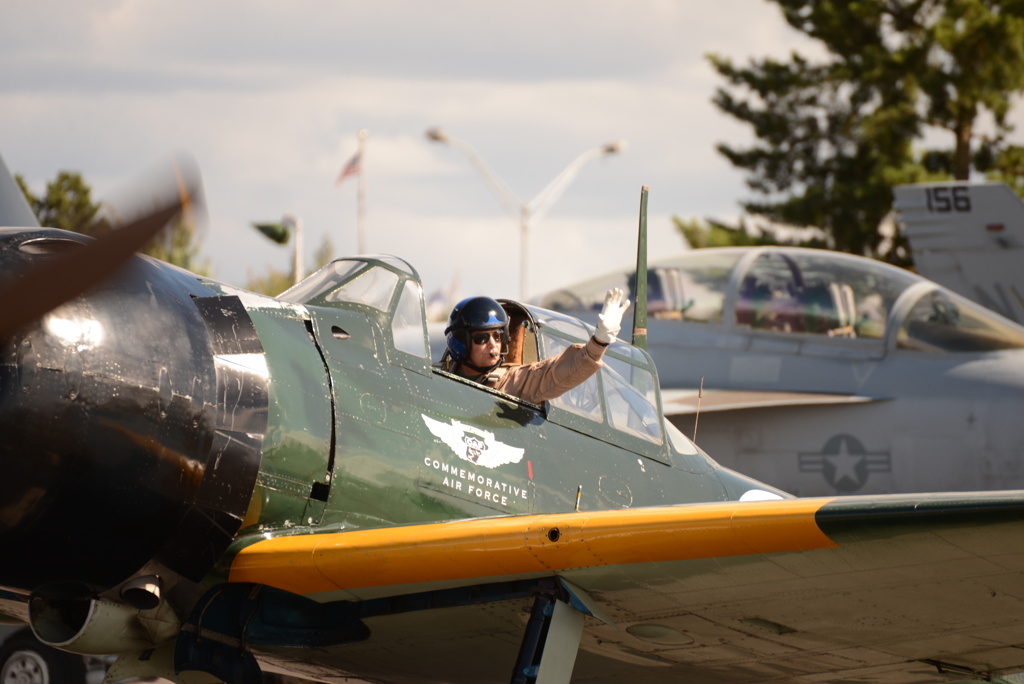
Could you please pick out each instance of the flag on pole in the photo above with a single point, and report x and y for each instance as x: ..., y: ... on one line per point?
x: 350, y: 169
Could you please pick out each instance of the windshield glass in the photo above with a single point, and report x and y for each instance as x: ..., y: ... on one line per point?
x: 690, y: 287
x: 631, y: 399
x: 372, y: 287
x: 820, y: 293
x: 629, y: 351
x: 566, y: 325
x: 321, y: 281
x: 629, y: 411
x: 944, y: 322
x: 409, y: 326
x: 640, y: 379
x: 396, y: 263
x: 583, y: 400
x: 629, y: 391
x: 585, y: 296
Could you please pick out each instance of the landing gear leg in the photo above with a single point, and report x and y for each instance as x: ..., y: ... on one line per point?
x: 550, y: 644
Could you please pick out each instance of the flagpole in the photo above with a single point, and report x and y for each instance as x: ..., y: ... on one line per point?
x: 361, y: 193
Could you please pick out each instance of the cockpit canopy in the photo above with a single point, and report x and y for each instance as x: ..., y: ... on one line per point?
x: 626, y: 382
x: 796, y: 291
x: 379, y: 282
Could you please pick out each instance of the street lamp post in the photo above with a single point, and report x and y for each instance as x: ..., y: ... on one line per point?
x: 298, y: 265
x: 527, y: 213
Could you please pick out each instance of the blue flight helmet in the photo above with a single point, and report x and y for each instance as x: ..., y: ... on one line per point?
x: 471, y: 315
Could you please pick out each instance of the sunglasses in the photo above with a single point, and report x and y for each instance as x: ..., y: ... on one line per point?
x: 482, y: 338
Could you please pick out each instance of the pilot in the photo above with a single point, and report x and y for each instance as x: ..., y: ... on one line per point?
x: 478, y: 340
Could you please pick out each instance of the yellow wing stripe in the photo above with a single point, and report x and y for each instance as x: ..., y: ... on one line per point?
x: 493, y: 547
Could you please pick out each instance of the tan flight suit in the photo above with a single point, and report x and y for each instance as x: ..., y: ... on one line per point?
x: 549, y: 378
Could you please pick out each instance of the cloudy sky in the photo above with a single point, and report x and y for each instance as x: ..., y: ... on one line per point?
x: 269, y: 97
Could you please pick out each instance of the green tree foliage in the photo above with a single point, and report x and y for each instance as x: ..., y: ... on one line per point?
x: 699, y: 234
x: 1009, y: 168
x: 271, y: 282
x: 324, y: 254
x: 974, y: 62
x: 177, y: 245
x: 67, y: 204
x: 834, y: 137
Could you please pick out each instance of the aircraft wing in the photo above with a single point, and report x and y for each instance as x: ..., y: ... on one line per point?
x: 883, y: 589
x: 685, y: 401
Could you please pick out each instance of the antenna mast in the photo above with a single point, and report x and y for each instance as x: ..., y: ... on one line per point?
x: 696, y: 417
x: 640, y: 287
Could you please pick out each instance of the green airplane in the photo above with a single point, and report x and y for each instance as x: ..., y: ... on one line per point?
x: 212, y: 484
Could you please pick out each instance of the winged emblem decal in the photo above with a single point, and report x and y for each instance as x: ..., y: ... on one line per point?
x: 473, y: 444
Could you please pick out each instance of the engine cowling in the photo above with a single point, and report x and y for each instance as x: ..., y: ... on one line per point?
x: 129, y: 436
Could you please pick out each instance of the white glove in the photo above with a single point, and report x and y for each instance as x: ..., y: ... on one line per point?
x: 609, y: 321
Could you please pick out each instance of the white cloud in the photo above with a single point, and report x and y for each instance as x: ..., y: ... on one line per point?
x: 269, y: 97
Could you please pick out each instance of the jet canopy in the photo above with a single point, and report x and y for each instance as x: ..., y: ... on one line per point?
x: 806, y: 292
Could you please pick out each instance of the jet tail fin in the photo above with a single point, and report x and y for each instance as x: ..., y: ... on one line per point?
x: 968, y: 237
x: 14, y: 209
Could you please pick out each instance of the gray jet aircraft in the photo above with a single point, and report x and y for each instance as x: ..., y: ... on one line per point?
x: 826, y: 373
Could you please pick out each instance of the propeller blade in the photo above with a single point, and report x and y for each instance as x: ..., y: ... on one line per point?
x: 42, y: 288
x: 14, y: 210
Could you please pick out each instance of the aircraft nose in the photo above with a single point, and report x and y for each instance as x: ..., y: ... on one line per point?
x: 113, y: 446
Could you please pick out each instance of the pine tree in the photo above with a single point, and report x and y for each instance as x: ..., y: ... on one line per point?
x: 67, y: 204
x: 834, y: 137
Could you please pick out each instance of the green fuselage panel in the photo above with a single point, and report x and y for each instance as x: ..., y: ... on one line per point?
x: 413, y: 446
